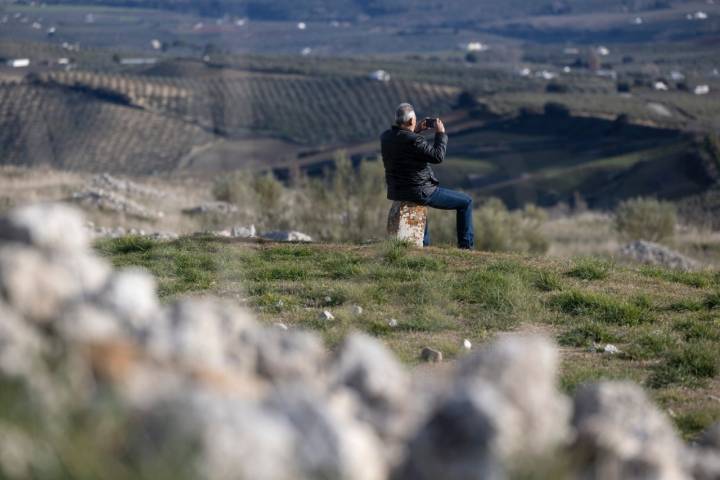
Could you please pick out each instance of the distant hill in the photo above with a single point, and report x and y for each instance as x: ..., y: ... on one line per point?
x: 349, y: 9
x: 146, y: 124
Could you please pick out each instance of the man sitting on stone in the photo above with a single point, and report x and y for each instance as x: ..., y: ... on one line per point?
x: 407, y: 157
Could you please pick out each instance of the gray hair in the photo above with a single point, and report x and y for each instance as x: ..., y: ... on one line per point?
x: 404, y: 114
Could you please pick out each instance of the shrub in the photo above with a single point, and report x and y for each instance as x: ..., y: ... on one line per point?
x: 646, y: 219
x: 689, y: 364
x: 350, y: 205
x: 547, y: 281
x: 262, y: 198
x: 497, y: 291
x: 601, y: 307
x: 127, y: 244
x: 585, y: 334
x: 591, y: 269
x: 499, y: 230
x: 554, y: 87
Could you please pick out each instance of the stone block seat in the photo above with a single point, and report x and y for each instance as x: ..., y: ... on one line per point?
x: 406, y: 221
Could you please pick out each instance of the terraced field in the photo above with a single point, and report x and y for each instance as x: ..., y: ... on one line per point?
x: 142, y: 124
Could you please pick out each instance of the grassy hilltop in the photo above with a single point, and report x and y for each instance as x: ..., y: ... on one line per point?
x: 665, y: 323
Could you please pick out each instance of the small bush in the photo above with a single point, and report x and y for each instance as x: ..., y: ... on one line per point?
x: 694, y: 422
x: 692, y: 279
x: 124, y: 245
x: 601, y: 307
x: 649, y: 345
x: 646, y: 219
x: 495, y: 291
x: 547, y: 281
x: 712, y: 300
x: 499, y: 230
x: 591, y: 269
x: 689, y: 364
x: 585, y: 334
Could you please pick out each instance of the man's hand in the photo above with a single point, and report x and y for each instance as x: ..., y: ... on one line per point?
x: 421, y: 127
x: 439, y: 126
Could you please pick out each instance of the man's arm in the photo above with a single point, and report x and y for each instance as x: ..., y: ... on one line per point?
x: 434, y: 153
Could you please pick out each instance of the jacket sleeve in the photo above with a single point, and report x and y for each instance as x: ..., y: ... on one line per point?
x: 434, y: 153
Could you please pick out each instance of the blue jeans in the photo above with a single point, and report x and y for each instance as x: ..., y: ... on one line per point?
x: 445, y: 199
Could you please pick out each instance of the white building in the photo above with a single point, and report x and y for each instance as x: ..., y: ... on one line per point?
x: 302, y: 26
x: 660, y: 86
x: 697, y: 16
x: 546, y: 75
x: 380, y: 76
x: 677, y: 76
x: 606, y: 73
x: 702, y: 90
x: 476, y: 47
x: 19, y: 62
x: 306, y: 51
x: 138, y: 61
x: 603, y: 51
x: 156, y: 44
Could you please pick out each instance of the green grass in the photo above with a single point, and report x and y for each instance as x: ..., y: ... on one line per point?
x: 601, y: 307
x: 689, y: 364
x: 591, y: 269
x: 667, y: 331
x: 693, y: 279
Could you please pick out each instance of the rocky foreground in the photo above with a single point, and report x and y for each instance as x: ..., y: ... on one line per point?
x: 203, y: 388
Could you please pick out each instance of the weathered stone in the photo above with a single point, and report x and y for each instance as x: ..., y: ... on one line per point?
x: 406, y: 221
x: 523, y: 368
x: 620, y: 434
x: 20, y: 346
x: 218, y: 208
x: 203, y: 333
x: 710, y: 438
x: 243, y: 232
x: 655, y: 254
x: 703, y: 459
x: 329, y: 443
x: 34, y: 286
x: 114, y: 202
x: 88, y: 323
x: 431, y: 355
x: 504, y: 407
x: 287, y: 355
x: 232, y: 438
x: 366, y: 367
x: 291, y: 236
x: 131, y: 294
x: 702, y: 463
x: 51, y: 227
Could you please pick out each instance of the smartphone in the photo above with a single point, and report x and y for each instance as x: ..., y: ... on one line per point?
x: 430, y: 122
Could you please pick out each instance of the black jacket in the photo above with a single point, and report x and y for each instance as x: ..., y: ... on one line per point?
x: 406, y: 156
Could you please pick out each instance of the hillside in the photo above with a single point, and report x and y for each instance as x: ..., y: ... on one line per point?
x: 664, y: 323
x: 144, y: 125
x: 348, y: 9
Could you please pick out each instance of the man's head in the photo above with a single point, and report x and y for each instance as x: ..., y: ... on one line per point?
x: 405, y: 116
